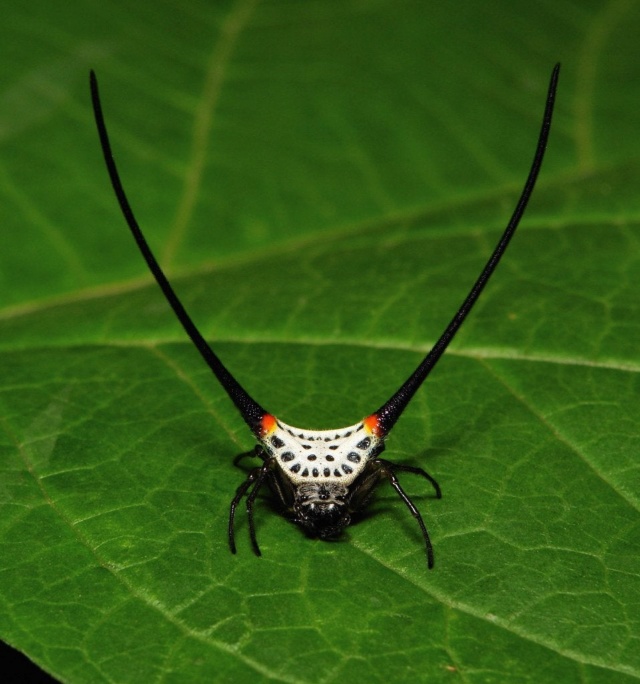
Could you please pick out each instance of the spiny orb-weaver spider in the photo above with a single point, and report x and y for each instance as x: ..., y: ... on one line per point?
x: 323, y: 477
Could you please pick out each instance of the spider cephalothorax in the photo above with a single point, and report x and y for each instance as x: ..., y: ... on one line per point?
x: 321, y: 508
x: 322, y: 477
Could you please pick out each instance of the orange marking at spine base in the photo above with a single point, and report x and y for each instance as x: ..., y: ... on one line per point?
x: 268, y: 424
x: 372, y: 425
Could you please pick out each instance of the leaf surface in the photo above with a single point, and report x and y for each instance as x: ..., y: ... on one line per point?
x: 322, y: 182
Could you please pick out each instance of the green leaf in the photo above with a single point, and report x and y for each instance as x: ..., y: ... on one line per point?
x: 322, y: 182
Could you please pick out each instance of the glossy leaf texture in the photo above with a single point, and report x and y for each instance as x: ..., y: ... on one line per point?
x: 323, y: 182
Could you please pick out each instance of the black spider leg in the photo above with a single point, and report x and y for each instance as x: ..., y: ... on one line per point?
x: 250, y: 410
x: 388, y: 470
x: 415, y: 471
x: 389, y: 412
x: 256, y: 477
x: 264, y: 471
x: 257, y: 451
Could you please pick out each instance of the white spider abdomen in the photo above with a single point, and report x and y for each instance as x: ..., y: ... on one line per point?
x: 321, y: 455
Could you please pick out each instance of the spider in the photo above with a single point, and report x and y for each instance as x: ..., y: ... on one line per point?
x: 323, y: 477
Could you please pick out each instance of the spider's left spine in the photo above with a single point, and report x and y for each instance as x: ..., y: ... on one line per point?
x: 250, y: 410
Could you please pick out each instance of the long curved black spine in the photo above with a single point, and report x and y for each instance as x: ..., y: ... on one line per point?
x: 250, y: 410
x: 389, y: 412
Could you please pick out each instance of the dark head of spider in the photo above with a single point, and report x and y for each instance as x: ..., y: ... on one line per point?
x: 321, y: 509
x: 322, y: 478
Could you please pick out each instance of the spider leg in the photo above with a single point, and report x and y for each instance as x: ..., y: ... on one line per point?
x: 250, y: 499
x: 256, y: 451
x: 240, y: 492
x: 415, y: 471
x: 387, y: 471
x: 256, y: 478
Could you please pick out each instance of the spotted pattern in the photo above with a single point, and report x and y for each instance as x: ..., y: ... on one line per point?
x: 322, y: 455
